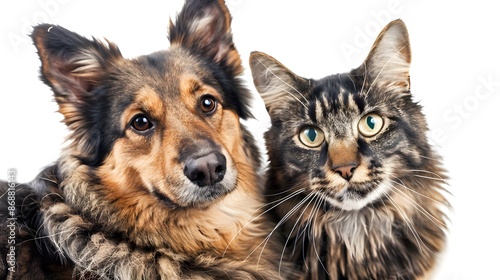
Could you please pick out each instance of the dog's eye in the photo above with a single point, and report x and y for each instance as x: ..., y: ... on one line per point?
x: 208, y: 104
x: 141, y: 123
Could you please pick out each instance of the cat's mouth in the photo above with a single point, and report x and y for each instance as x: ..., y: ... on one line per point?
x: 356, y: 196
x: 353, y: 194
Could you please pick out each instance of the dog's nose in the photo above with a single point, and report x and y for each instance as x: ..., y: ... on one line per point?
x: 206, y: 170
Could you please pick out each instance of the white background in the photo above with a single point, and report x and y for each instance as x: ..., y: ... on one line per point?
x: 455, y: 75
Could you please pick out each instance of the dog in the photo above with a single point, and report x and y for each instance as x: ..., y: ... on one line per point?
x: 159, y: 178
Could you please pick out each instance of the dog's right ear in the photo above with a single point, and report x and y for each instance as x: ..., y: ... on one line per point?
x: 71, y: 64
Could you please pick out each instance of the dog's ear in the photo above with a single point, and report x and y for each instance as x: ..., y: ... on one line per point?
x: 74, y: 67
x: 71, y: 64
x: 277, y: 85
x: 204, y: 26
x: 388, y: 63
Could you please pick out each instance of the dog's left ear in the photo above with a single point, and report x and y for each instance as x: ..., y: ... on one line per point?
x: 75, y: 67
x: 71, y: 64
x: 204, y: 26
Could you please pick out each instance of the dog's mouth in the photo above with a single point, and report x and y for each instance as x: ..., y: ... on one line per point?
x: 207, y: 178
x: 199, y: 200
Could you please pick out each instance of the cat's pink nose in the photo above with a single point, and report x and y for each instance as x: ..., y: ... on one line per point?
x: 345, y: 170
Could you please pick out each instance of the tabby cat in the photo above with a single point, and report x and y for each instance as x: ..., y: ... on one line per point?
x: 352, y: 178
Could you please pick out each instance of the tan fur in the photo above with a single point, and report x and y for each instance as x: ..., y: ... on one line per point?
x: 131, y: 209
x: 130, y: 166
x: 343, y: 152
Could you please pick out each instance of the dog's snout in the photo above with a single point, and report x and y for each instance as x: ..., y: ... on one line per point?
x: 206, y: 170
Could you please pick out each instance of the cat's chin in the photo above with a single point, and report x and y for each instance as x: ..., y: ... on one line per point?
x: 352, y: 199
x: 348, y: 204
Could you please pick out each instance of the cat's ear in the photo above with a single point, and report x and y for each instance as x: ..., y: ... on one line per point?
x: 276, y: 84
x: 205, y: 28
x: 388, y: 63
x: 71, y: 64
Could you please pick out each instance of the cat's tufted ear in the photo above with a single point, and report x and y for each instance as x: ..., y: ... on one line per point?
x: 388, y: 63
x: 276, y: 84
x: 204, y: 27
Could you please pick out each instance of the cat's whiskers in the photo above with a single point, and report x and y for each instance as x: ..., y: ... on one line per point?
x: 437, y: 160
x: 436, y: 178
x: 309, y: 197
x: 268, y: 237
x: 319, y: 200
x: 407, y: 220
x: 421, y: 244
x: 280, y: 194
x: 385, y: 205
x: 402, y: 184
x: 253, y: 218
x: 411, y: 201
x: 265, y: 241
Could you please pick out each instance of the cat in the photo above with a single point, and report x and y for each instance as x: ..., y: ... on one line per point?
x: 352, y: 179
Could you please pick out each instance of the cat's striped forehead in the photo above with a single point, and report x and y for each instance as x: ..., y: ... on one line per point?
x: 336, y: 96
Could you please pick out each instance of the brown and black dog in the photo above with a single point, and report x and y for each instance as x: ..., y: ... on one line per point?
x: 159, y: 178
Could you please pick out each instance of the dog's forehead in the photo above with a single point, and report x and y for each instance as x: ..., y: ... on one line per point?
x: 166, y: 72
x: 159, y: 82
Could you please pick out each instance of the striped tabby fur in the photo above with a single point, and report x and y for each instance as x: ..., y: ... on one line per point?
x: 352, y: 179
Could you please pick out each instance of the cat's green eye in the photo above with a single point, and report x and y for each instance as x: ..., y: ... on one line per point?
x: 311, y: 136
x: 370, y: 125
